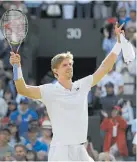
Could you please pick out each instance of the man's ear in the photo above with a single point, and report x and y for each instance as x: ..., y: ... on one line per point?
x: 55, y: 73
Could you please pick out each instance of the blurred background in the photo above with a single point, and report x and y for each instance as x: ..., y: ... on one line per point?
x: 86, y: 29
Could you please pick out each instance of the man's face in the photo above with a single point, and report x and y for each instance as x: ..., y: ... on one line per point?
x: 32, y: 136
x: 65, y: 69
x: 114, y: 113
x: 4, y: 137
x: 34, y: 125
x: 20, y: 152
x: 122, y: 12
x: 109, y: 90
x: 8, y: 95
x: 12, y: 107
x: 13, y: 129
x: 133, y: 15
x: 23, y: 106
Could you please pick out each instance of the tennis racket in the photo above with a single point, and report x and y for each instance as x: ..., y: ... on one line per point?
x: 14, y: 25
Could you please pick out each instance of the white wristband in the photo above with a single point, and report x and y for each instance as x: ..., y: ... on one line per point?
x: 17, y: 72
x: 116, y: 49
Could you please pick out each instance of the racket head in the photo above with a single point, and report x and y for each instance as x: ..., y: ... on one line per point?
x: 14, y: 25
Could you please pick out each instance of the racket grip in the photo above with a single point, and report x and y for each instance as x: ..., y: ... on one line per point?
x: 17, y: 72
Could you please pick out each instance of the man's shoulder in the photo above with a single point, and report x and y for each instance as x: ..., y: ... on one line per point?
x: 48, y: 86
x: 47, y: 89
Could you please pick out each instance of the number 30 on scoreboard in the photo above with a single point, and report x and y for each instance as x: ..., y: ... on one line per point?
x: 74, y: 33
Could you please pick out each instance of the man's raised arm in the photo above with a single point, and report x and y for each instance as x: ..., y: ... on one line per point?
x: 110, y: 60
x: 23, y: 89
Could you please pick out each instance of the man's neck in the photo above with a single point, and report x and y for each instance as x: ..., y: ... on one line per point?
x: 66, y: 83
x: 24, y: 110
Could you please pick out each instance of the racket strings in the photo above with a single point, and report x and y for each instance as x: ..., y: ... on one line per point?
x: 15, y: 26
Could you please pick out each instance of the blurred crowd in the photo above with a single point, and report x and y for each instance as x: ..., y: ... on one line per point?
x: 25, y: 128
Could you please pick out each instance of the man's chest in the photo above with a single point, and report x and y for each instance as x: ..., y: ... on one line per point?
x: 68, y: 97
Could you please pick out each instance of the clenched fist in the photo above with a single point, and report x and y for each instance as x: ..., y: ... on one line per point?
x: 15, y: 58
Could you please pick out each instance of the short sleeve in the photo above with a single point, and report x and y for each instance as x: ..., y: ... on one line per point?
x: 86, y: 82
x: 45, y: 91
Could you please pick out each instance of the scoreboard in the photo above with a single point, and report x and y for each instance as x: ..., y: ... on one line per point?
x: 78, y: 36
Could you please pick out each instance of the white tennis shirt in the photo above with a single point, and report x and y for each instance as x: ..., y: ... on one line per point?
x: 68, y: 110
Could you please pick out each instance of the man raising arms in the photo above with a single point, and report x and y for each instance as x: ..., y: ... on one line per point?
x: 66, y: 102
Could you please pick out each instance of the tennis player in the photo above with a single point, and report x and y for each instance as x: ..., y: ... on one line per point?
x: 66, y: 101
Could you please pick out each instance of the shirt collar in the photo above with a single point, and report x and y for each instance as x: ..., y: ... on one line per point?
x: 61, y: 87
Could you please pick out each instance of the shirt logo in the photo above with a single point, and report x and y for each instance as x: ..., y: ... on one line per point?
x: 77, y: 89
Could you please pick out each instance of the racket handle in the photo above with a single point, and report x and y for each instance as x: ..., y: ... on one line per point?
x: 17, y: 72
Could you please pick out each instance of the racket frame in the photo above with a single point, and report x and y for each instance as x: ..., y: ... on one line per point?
x: 2, y: 27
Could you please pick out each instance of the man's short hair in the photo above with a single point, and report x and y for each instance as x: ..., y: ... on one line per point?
x: 109, y: 85
x: 22, y: 146
x: 56, y: 60
x: 34, y: 120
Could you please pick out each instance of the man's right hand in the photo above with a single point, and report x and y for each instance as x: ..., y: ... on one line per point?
x: 118, y: 30
x: 15, y: 59
x: 32, y: 92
